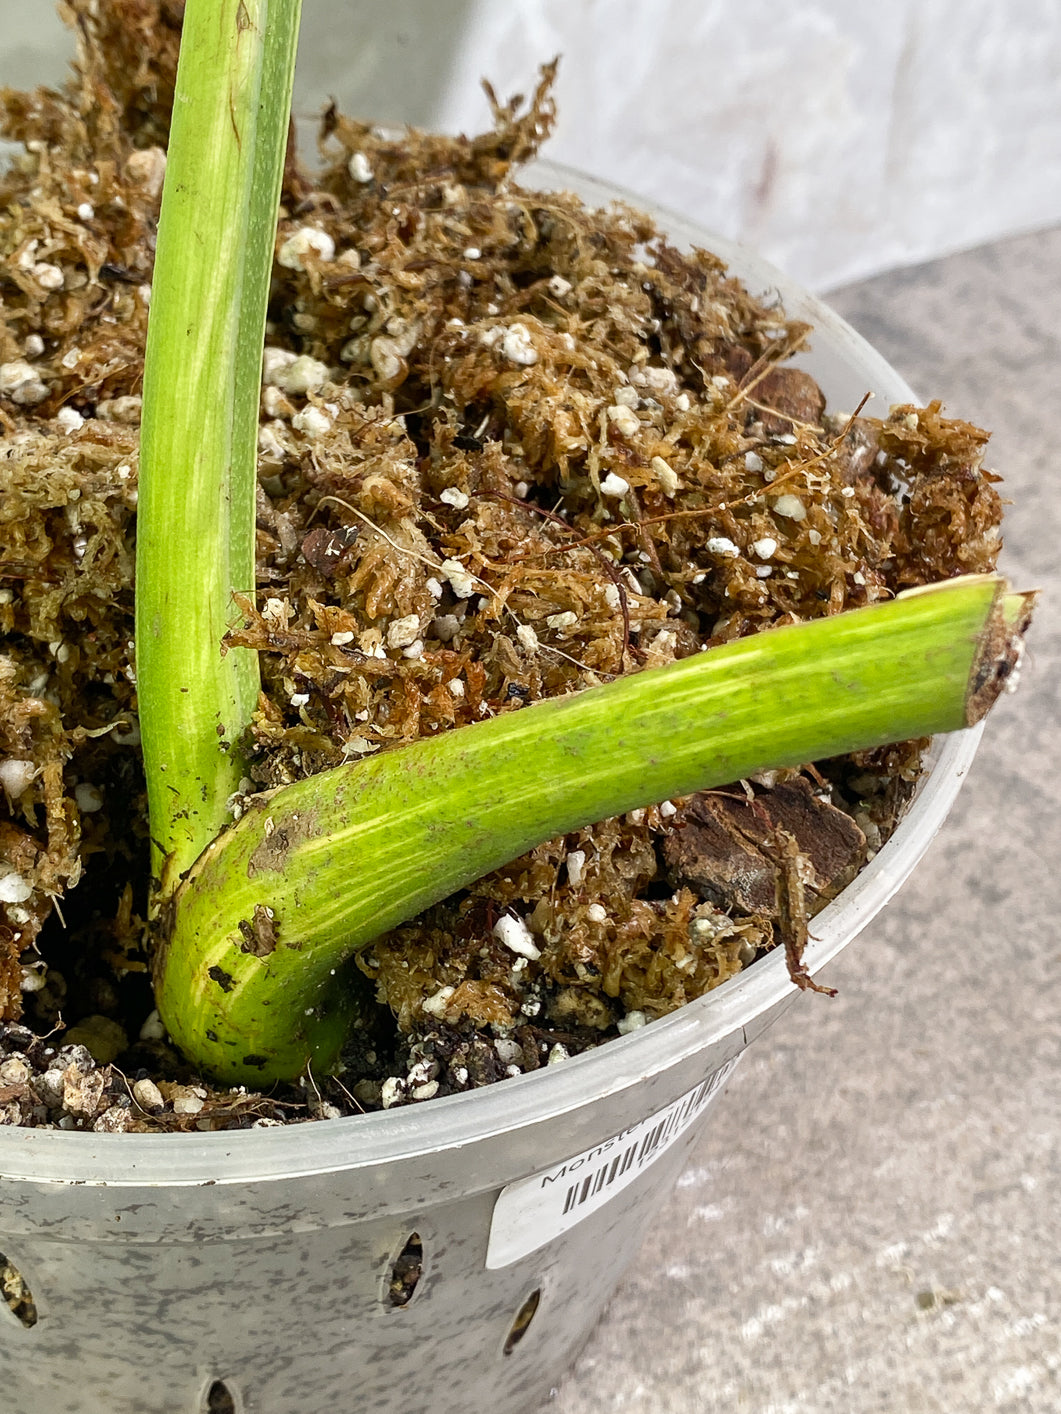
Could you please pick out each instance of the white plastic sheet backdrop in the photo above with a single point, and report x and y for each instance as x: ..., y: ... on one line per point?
x: 839, y: 138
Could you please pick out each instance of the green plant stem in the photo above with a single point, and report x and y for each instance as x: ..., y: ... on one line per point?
x: 202, y: 382
x: 346, y: 855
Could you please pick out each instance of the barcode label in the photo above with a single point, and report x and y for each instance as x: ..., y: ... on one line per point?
x: 534, y: 1211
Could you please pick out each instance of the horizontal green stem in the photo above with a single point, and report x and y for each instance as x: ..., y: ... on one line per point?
x: 346, y: 855
x: 202, y: 382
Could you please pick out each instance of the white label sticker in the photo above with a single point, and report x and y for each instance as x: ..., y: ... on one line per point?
x: 532, y: 1212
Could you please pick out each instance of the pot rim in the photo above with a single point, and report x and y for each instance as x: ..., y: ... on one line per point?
x: 726, y: 1013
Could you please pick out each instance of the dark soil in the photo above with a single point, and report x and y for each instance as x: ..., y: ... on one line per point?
x: 510, y: 448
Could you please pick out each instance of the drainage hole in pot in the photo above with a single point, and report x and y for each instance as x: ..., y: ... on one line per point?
x: 219, y: 1399
x: 521, y: 1324
x: 17, y: 1296
x: 406, y: 1272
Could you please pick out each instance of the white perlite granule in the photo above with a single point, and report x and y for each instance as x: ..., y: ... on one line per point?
x: 14, y: 888
x: 517, y: 346
x: 624, y: 419
x: 632, y: 1021
x: 514, y: 934
x: 665, y: 475
x: 403, y: 632
x: 576, y: 864
x: 305, y: 241
x: 15, y: 775
x: 460, y: 581
x: 312, y: 421
x: 791, y: 507
x: 22, y: 383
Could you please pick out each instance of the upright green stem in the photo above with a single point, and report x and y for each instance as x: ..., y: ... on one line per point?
x: 251, y: 985
x: 202, y: 379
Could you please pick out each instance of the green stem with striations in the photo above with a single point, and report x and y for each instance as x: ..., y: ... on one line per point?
x: 250, y: 984
x: 202, y: 382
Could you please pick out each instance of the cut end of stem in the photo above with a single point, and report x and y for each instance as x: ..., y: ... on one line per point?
x: 997, y: 666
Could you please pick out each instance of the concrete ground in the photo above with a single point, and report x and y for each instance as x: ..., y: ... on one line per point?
x: 871, y: 1224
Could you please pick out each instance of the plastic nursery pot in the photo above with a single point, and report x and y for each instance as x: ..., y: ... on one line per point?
x: 449, y: 1256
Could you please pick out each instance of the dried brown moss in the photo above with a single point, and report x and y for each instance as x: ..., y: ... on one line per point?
x: 510, y: 448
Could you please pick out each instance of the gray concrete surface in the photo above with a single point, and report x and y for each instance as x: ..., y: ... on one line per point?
x: 872, y: 1224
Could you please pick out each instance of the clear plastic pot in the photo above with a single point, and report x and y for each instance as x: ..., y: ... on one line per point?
x: 252, y: 1270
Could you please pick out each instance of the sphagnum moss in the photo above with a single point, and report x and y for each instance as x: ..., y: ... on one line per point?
x: 508, y: 449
